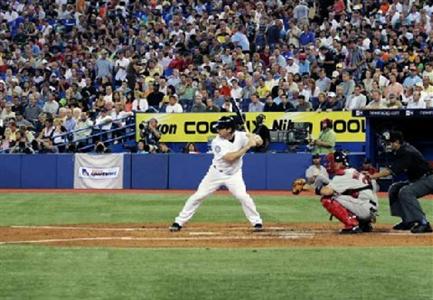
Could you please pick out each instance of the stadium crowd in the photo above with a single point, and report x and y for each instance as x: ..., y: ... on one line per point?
x: 67, y: 65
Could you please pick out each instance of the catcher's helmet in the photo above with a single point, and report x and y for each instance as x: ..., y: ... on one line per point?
x: 341, y: 157
x: 226, y: 122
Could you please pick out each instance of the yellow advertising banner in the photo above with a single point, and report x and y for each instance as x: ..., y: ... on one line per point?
x: 198, y: 127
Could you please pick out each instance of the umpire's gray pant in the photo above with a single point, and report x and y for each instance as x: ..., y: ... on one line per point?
x: 403, y: 198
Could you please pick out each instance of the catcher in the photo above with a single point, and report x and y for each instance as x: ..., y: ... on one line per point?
x: 349, y: 197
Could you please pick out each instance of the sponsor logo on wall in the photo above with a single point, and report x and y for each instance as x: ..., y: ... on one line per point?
x: 98, y: 173
x: 198, y: 127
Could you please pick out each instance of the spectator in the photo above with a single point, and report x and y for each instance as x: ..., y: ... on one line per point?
x: 333, y: 104
x: 348, y: 85
x: 83, y: 129
x: 357, y: 100
x: 270, y: 105
x: 69, y: 122
x: 142, y: 148
x: 255, y: 105
x: 173, y: 106
x: 198, y: 106
x: 315, y: 170
x: 51, y: 106
x: 376, y: 101
x: 191, y: 148
x: 285, y: 105
x: 211, y: 107
x: 103, y: 67
x: 412, y: 79
x: 21, y: 122
x: 7, y: 113
x: 393, y: 102
x: 140, y: 103
x: 415, y: 102
x: 32, y: 110
x: 303, y: 105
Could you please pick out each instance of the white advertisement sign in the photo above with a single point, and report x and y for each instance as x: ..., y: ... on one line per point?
x: 98, y: 171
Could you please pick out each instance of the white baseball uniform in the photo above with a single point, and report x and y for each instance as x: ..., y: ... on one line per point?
x: 353, y: 191
x: 220, y: 173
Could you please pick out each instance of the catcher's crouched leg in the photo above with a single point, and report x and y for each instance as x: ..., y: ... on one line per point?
x: 342, y: 214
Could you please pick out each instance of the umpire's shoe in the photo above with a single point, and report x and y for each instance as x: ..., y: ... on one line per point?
x: 421, y: 228
x: 403, y: 226
x: 175, y: 227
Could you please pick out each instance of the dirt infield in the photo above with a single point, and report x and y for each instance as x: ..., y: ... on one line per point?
x: 207, y: 235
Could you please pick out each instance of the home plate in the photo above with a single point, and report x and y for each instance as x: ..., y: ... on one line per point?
x: 203, y: 233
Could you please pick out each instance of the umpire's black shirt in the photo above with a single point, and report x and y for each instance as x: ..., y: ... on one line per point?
x: 410, y: 161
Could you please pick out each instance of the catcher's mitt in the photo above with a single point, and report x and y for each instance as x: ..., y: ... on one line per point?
x: 298, y: 185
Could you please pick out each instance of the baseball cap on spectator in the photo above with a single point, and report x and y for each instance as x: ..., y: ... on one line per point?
x: 419, y: 85
x: 316, y: 156
x: 339, y: 66
x: 332, y: 94
x: 335, y: 74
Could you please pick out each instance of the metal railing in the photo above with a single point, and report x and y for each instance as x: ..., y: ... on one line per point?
x: 96, y: 135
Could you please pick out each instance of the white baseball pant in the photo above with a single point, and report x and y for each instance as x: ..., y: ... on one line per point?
x: 212, y: 181
x: 361, y: 206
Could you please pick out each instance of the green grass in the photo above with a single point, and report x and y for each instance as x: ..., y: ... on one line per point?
x: 43, y: 209
x: 68, y: 273
x: 40, y: 272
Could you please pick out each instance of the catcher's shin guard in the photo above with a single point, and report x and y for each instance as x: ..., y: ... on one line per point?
x: 340, y: 212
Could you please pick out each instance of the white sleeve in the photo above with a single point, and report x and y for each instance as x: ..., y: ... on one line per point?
x: 309, y: 172
x: 218, y: 150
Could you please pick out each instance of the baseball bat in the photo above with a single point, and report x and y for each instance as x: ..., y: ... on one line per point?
x: 239, y: 114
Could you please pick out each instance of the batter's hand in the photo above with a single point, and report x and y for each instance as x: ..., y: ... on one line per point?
x: 258, y: 139
x: 251, y: 141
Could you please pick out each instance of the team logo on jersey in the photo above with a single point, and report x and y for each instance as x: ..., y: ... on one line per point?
x: 217, y: 149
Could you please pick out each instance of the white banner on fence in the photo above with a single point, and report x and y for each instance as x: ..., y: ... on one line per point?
x: 98, y: 171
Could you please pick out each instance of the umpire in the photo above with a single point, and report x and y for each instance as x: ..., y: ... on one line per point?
x: 403, y: 195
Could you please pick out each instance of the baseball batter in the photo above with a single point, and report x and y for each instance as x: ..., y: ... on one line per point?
x: 228, y: 148
x: 349, y: 197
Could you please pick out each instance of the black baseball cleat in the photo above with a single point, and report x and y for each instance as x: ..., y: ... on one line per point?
x: 421, y: 228
x: 175, y: 227
x: 353, y: 230
x: 258, y: 227
x: 403, y: 226
x: 366, y: 226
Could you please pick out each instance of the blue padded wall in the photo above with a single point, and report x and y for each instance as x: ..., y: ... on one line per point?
x: 39, y: 171
x: 282, y: 169
x: 10, y: 171
x: 149, y: 171
x: 65, y: 171
x: 157, y: 171
x: 127, y: 172
x: 254, y: 171
x: 187, y: 170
